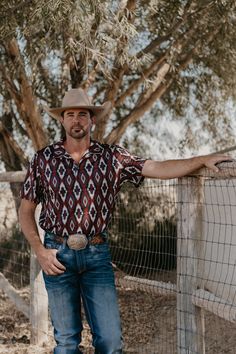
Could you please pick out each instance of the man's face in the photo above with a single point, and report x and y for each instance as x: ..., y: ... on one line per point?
x: 77, y: 122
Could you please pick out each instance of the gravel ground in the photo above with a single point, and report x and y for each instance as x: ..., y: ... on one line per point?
x: 148, y: 320
x: 140, y: 315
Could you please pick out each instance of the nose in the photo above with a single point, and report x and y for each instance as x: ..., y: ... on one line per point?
x: 76, y: 118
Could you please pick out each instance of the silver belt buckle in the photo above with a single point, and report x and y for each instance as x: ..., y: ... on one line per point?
x: 77, y: 241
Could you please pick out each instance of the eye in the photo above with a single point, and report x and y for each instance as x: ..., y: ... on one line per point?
x: 70, y: 114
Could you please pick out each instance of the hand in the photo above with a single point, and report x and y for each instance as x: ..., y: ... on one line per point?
x: 49, y: 262
x: 210, y: 161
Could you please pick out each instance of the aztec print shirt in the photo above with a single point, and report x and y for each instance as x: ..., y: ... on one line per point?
x: 79, y: 197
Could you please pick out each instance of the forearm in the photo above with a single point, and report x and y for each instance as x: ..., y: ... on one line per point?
x: 46, y: 257
x: 30, y: 230
x: 178, y: 168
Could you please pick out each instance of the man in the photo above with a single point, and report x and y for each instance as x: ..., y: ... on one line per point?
x: 76, y: 181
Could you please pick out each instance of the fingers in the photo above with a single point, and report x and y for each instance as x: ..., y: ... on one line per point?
x: 213, y: 168
x: 55, y: 267
x: 221, y: 158
x: 55, y: 260
x: 49, y: 262
x: 53, y: 270
x: 213, y: 160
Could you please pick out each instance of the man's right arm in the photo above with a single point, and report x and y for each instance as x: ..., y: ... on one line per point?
x: 46, y: 257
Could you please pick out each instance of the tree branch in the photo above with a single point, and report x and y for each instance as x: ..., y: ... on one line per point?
x: 26, y: 103
x: 117, y: 72
x: 161, y: 67
x: 155, y: 44
x: 11, y: 10
x: 156, y: 66
x: 137, y: 113
x: 162, y: 72
x: 146, y: 104
x: 15, y: 147
x: 188, y: 57
x: 136, y: 83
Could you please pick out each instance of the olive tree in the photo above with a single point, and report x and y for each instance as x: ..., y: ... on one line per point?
x: 134, y: 53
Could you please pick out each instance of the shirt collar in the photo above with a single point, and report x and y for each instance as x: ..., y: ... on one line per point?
x: 94, y: 148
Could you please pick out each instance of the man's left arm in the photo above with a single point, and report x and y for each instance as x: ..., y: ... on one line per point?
x: 178, y: 168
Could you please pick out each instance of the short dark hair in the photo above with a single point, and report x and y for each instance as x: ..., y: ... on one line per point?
x: 90, y: 113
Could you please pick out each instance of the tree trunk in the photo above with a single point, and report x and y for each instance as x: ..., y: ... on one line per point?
x: 24, y: 98
x: 12, y: 163
x: 12, y: 155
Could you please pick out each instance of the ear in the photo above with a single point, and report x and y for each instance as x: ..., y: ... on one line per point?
x: 93, y: 120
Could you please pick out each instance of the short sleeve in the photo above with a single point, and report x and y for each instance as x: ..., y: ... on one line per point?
x: 31, y: 187
x: 132, y: 166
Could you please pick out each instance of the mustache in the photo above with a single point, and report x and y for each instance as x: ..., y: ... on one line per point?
x: 76, y: 126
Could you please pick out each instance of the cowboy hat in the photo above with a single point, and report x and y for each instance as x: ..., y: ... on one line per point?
x: 78, y: 98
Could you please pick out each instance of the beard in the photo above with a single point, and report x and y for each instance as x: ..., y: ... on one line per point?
x: 78, y: 132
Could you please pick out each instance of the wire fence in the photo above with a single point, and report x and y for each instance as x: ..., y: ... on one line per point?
x: 176, y: 293
x: 14, y: 250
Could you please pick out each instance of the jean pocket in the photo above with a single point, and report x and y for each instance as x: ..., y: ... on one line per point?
x: 49, y: 243
x: 100, y: 248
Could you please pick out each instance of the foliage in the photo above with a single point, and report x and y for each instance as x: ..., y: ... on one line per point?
x: 141, y: 55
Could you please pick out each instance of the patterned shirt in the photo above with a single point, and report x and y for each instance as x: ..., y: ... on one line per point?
x: 79, y: 197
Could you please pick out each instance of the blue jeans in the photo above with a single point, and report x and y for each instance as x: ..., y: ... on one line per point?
x: 89, y: 276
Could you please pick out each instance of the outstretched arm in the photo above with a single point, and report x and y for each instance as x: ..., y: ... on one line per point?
x: 179, y: 168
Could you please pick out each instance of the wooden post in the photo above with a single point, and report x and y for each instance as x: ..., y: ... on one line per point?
x: 39, y: 299
x: 190, y: 320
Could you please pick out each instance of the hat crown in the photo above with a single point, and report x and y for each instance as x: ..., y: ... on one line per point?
x: 76, y: 97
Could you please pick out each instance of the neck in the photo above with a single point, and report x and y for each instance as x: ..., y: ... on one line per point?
x: 78, y: 146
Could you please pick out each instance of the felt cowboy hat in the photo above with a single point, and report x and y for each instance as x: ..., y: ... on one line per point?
x: 78, y: 98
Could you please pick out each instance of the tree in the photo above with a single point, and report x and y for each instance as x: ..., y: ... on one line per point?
x: 131, y: 52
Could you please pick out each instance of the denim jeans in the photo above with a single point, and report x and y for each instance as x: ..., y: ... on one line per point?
x: 89, y: 276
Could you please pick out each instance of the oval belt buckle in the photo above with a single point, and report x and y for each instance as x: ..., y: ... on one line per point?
x: 77, y: 241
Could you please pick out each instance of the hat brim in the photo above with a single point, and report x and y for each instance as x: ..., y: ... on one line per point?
x: 99, y: 111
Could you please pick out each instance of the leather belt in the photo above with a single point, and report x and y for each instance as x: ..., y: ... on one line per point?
x: 80, y: 241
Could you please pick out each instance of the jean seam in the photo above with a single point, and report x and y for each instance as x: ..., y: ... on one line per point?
x: 87, y: 311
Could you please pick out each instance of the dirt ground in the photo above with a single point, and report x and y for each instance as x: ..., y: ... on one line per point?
x: 148, y: 320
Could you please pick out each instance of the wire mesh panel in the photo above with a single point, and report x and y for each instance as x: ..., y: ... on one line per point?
x: 14, y: 275
x: 217, y: 264
x: 14, y: 250
x: 143, y: 231
x: 143, y: 237
x: 206, y: 266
